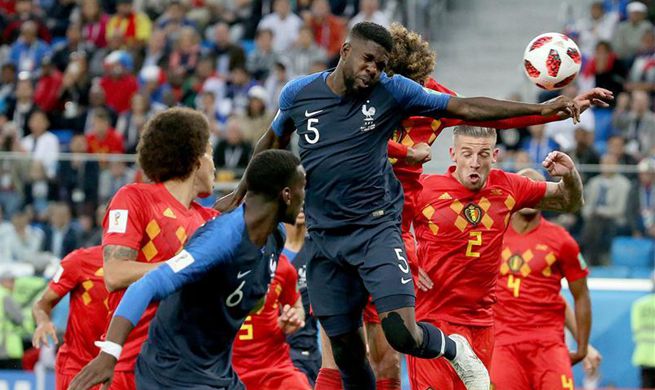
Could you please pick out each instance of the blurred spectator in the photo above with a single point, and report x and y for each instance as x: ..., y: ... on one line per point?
x: 78, y: 177
x: 74, y: 92
x: 12, y: 172
x: 642, y: 322
x: 256, y: 119
x: 38, y: 190
x: 616, y: 147
x: 227, y: 55
x: 637, y: 126
x: 61, y: 53
x: 91, y: 227
x: 46, y: 91
x: 284, y: 24
x: 60, y: 237
x: 598, y: 26
x: 628, y: 33
x: 216, y: 114
x: 260, y: 61
x: 22, y: 241
x: 237, y: 89
x: 21, y: 106
x: 234, y: 151
x: 642, y: 72
x: 97, y: 101
x: 59, y: 15
x: 11, y: 320
x: 562, y: 132
x: 186, y: 51
x: 538, y: 145
x: 113, y: 178
x: 25, y: 11
x: 135, y: 27
x: 119, y: 84
x: 305, y: 53
x: 28, y: 50
x: 604, y: 70
x: 94, y: 23
x: 206, y: 79
x: 604, y: 211
x: 42, y: 145
x: 584, y: 152
x: 369, y: 11
x: 174, y: 20
x: 157, y: 50
x: 275, y: 82
x: 103, y: 138
x: 641, y: 203
x: 154, y: 86
x: 329, y: 30
x: 7, y: 85
x: 130, y: 123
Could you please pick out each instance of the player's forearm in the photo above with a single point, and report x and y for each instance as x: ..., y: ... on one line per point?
x: 583, y: 321
x: 512, y: 123
x: 41, y: 312
x: 120, y: 274
x: 571, y: 185
x: 300, y: 309
x: 268, y: 141
x: 119, y: 329
x: 569, y: 320
x: 397, y: 150
x: 487, y: 109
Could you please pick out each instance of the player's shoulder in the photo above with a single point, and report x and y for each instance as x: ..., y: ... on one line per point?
x: 206, y: 213
x: 503, y: 178
x: 559, y: 233
x: 294, y: 87
x: 136, y: 190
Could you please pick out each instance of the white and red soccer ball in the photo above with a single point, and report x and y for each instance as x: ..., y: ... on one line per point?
x: 552, y: 61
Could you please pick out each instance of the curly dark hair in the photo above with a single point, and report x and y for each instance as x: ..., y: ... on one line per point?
x: 411, y: 56
x: 373, y: 32
x: 172, y: 143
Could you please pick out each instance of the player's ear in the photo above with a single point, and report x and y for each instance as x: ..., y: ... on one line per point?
x: 286, y: 196
x: 494, y: 155
x: 451, y: 151
x: 345, y: 49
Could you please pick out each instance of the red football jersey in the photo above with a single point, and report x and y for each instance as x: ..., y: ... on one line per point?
x: 260, y: 341
x: 80, y: 273
x: 459, y: 235
x: 147, y: 218
x: 530, y: 306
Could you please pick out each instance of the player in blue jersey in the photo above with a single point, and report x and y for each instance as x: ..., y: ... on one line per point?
x: 344, y: 118
x: 208, y: 289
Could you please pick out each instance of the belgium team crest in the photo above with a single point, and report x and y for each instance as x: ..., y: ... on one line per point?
x: 515, y: 263
x: 473, y: 213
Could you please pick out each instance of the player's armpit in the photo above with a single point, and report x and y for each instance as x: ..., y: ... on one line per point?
x: 121, y: 268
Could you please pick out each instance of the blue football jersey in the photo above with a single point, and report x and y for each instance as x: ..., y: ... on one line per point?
x: 208, y: 290
x: 343, y: 146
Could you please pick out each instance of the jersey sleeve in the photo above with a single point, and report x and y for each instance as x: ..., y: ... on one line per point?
x: 570, y: 260
x: 289, y: 278
x: 527, y: 192
x: 213, y: 244
x: 283, y: 123
x: 415, y: 99
x: 396, y: 150
x: 124, y: 223
x: 68, y: 274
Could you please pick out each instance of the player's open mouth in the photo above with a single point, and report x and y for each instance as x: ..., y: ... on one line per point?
x: 474, y: 177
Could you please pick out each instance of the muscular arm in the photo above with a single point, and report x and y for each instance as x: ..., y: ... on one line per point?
x: 582, y: 304
x: 487, y: 109
x: 121, y: 268
x: 565, y: 195
x: 41, y: 310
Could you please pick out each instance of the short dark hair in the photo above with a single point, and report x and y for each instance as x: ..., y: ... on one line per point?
x: 373, y: 32
x: 270, y: 171
x: 171, y: 144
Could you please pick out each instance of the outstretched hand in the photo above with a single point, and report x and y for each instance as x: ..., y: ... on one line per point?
x: 99, y: 370
x: 41, y: 334
x: 562, y: 106
x: 558, y: 164
x: 598, y: 97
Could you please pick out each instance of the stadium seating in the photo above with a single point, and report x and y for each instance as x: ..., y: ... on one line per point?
x: 633, y: 252
x: 610, y: 271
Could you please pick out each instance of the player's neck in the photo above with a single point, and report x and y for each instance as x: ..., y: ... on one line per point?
x: 524, y: 224
x: 295, y: 238
x: 182, y: 191
x: 335, y: 82
x: 261, y: 217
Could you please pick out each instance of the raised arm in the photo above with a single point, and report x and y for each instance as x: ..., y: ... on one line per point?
x: 486, y: 109
x: 565, y: 195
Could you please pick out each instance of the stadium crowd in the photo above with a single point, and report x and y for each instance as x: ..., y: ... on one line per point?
x: 83, y: 77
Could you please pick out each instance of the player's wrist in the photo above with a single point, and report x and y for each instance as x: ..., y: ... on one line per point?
x: 110, y: 348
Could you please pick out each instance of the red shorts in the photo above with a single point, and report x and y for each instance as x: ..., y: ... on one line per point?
x: 537, y: 365
x: 438, y: 374
x: 62, y: 381
x: 287, y: 378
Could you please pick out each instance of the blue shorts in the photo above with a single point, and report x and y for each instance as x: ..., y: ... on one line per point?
x: 348, y: 265
x: 148, y: 377
x: 307, y: 362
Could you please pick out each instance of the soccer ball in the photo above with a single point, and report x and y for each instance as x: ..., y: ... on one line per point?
x: 551, y: 61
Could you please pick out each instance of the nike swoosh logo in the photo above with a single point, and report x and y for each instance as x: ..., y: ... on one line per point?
x: 405, y: 281
x: 308, y: 114
x: 241, y: 275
